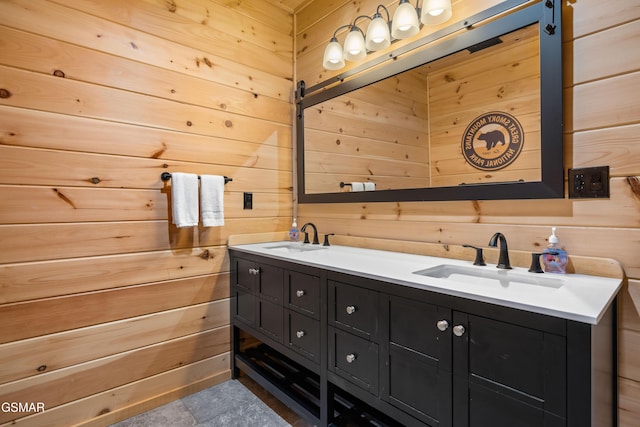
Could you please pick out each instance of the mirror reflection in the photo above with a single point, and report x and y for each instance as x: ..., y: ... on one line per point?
x: 472, y: 117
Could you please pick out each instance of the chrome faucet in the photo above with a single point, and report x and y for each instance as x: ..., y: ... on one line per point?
x: 503, y: 261
x: 306, y: 235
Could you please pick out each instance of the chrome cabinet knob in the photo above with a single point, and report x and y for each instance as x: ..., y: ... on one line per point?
x: 351, y: 309
x: 254, y: 271
x: 443, y: 325
x: 299, y: 293
x: 458, y: 330
x: 351, y: 358
x: 300, y: 334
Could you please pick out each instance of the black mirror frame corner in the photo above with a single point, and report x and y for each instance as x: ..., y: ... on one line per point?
x: 547, y: 14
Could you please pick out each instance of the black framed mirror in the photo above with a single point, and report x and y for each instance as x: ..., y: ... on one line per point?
x: 474, y: 114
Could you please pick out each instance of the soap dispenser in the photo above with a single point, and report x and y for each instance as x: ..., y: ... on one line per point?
x: 554, y: 257
x: 294, y: 233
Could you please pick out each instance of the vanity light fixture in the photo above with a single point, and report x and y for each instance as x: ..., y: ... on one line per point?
x: 380, y: 32
x: 354, y: 45
x: 333, y: 54
x: 405, y: 21
x: 436, y: 12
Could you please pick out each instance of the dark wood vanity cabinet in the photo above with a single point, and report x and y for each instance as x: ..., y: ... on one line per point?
x: 259, y: 295
x: 277, y: 330
x: 428, y: 359
x: 353, y: 334
x: 302, y: 313
x: 448, y: 361
x: 282, y: 304
x: 507, y: 374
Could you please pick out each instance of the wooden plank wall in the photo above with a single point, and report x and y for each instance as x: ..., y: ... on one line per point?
x: 106, y: 308
x: 505, y: 78
x: 368, y: 135
x: 602, y: 122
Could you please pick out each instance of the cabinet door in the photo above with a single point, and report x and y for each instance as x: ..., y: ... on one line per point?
x: 247, y: 275
x: 271, y: 319
x: 418, y: 374
x: 507, y: 374
x: 244, y: 307
x: 489, y: 407
x: 270, y: 283
x: 258, y: 278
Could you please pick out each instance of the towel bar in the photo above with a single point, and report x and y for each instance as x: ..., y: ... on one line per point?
x: 166, y: 176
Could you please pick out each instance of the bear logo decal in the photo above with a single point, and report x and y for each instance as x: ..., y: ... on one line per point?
x: 492, y: 138
x: 492, y: 141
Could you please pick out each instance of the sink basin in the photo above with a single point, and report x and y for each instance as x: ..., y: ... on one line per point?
x: 489, y: 277
x: 295, y: 247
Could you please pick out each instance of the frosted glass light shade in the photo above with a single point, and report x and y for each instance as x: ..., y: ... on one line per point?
x: 378, y: 35
x: 354, y: 46
x: 436, y: 12
x: 333, y: 56
x: 405, y: 21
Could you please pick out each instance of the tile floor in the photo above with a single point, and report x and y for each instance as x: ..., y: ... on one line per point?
x: 234, y: 403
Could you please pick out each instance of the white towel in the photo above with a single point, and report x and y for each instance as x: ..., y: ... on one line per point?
x: 369, y: 186
x: 212, y: 200
x: 184, y: 198
x: 357, y: 186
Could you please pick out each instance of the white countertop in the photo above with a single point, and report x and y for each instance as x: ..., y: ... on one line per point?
x: 569, y: 296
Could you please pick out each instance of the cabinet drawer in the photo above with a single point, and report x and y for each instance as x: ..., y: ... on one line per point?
x: 270, y: 319
x: 354, y: 309
x: 303, y: 292
x: 303, y: 335
x: 354, y: 359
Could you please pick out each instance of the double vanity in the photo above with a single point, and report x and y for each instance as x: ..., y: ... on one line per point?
x: 353, y: 336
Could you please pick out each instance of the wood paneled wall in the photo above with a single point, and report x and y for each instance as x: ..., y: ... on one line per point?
x: 368, y: 135
x: 602, y: 124
x: 106, y: 308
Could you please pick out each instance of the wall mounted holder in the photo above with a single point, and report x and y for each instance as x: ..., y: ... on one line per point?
x: 166, y: 176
